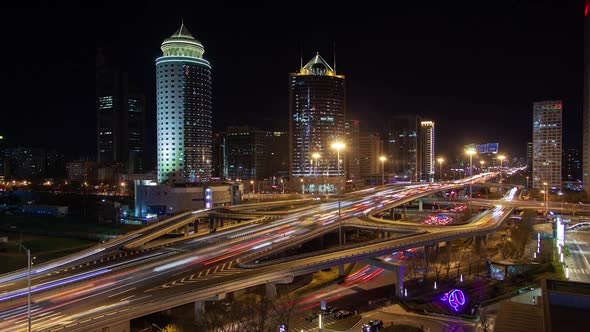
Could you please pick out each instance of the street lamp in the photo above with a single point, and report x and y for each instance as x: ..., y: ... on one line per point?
x: 481, y: 163
x: 316, y: 156
x: 28, y: 284
x: 339, y: 146
x: 282, y: 186
x: 440, y: 162
x: 302, y: 187
x: 501, y: 158
x: 470, y: 152
x: 252, y: 183
x: 382, y: 159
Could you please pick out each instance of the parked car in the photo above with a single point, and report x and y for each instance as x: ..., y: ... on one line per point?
x: 311, y: 316
x: 373, y: 326
x: 343, y: 314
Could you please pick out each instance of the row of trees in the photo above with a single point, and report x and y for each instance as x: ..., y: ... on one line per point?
x: 250, y: 313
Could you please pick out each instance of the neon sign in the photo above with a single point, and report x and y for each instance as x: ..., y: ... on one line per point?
x: 455, y: 298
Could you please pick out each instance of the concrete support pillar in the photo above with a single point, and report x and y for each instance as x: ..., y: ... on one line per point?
x: 199, y: 309
x: 270, y: 290
x: 341, y: 270
x: 405, y: 213
x: 420, y: 207
x: 221, y: 222
x: 391, y: 214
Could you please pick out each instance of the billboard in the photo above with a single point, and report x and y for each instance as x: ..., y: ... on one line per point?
x: 487, y: 148
x: 492, y: 147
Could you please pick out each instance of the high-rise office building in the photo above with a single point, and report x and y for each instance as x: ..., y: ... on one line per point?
x: 184, y: 110
x: 529, y: 156
x: 572, y: 165
x: 547, y: 144
x: 427, y: 151
x: 370, y: 149
x: 2, y: 156
x: 276, y: 155
x: 316, y: 118
x: 120, y: 111
x: 402, y: 145
x: 586, y: 123
x: 244, y: 153
x: 23, y: 163
x: 352, y: 134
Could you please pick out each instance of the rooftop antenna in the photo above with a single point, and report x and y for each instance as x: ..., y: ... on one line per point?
x: 334, y: 45
x: 301, y: 55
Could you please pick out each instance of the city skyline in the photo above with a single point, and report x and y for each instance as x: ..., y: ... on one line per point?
x: 458, y: 79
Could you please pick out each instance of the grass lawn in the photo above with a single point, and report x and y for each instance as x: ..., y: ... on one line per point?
x: 12, y: 262
x: 67, y: 224
x: 42, y: 244
x: 43, y: 248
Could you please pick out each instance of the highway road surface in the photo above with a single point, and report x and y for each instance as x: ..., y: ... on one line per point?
x: 105, y: 284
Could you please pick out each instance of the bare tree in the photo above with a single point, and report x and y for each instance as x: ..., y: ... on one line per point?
x: 437, y: 268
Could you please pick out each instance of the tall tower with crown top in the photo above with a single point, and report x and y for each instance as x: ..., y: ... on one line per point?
x: 184, y: 110
x: 316, y: 119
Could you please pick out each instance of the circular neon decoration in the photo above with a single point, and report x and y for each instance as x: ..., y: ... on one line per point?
x: 455, y: 298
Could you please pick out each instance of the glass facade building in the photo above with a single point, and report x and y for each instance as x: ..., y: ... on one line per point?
x: 184, y: 110
x: 316, y: 118
x: 403, y: 147
x: 547, y: 144
x: 244, y: 154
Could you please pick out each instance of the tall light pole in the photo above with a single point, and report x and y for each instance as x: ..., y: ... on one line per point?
x: 546, y: 192
x: 28, y: 285
x: 382, y: 159
x: 481, y: 163
x: 338, y: 146
x: 501, y: 158
x: 302, y: 187
x: 440, y: 162
x: 316, y: 156
x: 252, y: 183
x: 470, y: 152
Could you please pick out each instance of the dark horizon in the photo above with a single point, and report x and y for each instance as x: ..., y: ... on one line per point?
x: 475, y: 70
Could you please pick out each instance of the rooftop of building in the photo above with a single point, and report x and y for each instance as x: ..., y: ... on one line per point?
x: 317, y: 66
x: 182, y: 44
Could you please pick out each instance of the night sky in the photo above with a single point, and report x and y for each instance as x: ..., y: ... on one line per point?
x: 475, y: 67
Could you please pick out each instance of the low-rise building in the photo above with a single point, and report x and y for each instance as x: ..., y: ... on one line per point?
x: 153, y: 199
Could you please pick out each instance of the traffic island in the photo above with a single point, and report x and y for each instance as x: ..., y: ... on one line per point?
x: 401, y: 328
x: 345, y: 324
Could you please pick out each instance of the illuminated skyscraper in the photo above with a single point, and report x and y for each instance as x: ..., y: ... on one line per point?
x: 184, y: 110
x: 547, y: 144
x: 586, y: 126
x: 316, y: 118
x: 427, y: 148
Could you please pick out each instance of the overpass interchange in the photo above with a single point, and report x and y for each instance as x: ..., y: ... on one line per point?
x: 102, y: 296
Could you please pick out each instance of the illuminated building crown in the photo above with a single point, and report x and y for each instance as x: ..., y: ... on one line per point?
x: 182, y: 43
